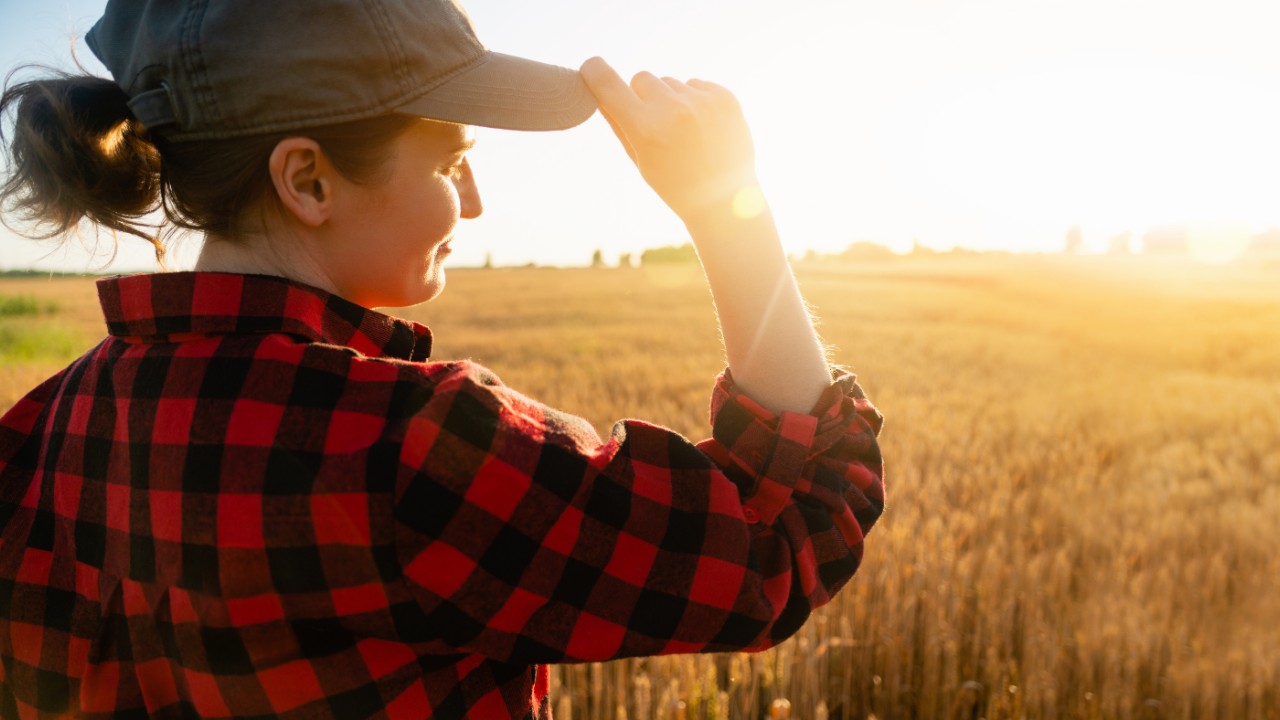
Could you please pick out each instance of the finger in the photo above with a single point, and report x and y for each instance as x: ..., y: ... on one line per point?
x: 707, y: 86
x: 675, y: 85
x: 614, y: 95
x: 721, y: 94
x: 649, y: 88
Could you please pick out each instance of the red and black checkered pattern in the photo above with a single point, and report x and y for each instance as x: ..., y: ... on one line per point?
x: 254, y: 499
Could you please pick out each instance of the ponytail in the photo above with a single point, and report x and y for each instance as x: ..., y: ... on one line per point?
x: 76, y: 154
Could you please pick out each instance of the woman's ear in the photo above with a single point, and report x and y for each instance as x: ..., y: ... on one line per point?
x: 302, y: 178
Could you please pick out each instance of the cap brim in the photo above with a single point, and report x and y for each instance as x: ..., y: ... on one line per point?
x: 503, y: 91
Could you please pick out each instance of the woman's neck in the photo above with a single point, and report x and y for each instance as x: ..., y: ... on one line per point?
x: 254, y: 256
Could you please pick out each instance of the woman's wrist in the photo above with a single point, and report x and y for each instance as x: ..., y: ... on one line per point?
x: 728, y: 211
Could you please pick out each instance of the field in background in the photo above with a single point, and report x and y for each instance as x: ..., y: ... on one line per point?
x: 1083, y: 464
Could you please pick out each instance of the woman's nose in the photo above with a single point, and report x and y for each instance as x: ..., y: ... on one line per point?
x: 469, y: 193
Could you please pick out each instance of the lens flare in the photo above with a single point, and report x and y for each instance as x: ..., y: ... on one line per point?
x: 748, y: 202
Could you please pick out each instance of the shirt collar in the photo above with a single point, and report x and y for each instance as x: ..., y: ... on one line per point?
x: 171, y: 307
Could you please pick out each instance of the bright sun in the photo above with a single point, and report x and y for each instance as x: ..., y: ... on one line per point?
x: 1008, y: 147
x: 1113, y: 149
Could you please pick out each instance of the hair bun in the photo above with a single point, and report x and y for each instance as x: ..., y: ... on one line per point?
x: 77, y: 153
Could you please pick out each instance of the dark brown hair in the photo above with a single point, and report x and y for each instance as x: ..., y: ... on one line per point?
x: 77, y: 153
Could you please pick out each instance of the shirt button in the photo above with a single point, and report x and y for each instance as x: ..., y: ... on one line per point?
x: 750, y: 515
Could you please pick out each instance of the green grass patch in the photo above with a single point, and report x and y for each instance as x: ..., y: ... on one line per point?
x: 25, y: 305
x: 24, y: 342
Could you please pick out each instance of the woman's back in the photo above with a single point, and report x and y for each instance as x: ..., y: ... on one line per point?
x: 255, y: 499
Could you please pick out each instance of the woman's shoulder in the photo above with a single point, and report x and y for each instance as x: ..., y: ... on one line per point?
x: 401, y: 386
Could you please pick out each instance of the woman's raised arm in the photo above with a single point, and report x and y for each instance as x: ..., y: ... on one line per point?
x: 692, y: 146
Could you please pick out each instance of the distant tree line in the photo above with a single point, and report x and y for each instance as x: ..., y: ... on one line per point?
x: 45, y: 274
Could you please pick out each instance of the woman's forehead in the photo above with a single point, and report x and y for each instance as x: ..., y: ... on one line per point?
x: 463, y: 136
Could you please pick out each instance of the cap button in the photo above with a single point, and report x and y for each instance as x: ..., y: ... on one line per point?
x: 750, y: 515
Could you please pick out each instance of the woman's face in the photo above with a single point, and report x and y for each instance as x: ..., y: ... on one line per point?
x: 393, y: 237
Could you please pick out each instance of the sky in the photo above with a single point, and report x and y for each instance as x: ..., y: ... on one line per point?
x: 987, y: 124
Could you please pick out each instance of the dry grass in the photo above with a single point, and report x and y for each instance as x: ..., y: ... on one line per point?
x: 1083, y: 457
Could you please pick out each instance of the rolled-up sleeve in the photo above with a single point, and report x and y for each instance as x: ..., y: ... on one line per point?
x: 526, y: 538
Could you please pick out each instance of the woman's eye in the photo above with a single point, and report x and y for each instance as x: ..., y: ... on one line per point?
x: 455, y: 170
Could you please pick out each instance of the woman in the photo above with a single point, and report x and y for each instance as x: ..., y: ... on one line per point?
x: 257, y: 497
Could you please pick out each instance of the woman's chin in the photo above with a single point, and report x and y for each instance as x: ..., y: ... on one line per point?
x: 423, y: 293
x: 429, y: 286
x: 434, y: 285
x: 417, y: 294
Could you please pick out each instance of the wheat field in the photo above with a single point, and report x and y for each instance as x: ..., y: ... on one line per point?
x: 1083, y: 457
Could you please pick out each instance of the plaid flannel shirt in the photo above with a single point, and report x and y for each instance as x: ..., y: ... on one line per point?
x: 255, y: 499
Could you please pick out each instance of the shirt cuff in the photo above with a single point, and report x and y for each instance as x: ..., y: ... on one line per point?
x: 773, y: 449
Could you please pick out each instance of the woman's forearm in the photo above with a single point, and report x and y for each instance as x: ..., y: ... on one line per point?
x: 772, y: 348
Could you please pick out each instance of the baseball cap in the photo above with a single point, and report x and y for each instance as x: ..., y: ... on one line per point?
x: 213, y: 69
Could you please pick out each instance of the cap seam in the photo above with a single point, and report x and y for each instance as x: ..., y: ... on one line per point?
x: 198, y: 67
x: 565, y: 99
x: 392, y: 42
x: 413, y: 93
x: 298, y: 122
x: 185, y: 60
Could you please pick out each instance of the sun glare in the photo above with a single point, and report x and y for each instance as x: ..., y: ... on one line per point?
x: 1218, y: 242
x: 748, y: 202
x: 1114, y: 150
x: 1010, y: 139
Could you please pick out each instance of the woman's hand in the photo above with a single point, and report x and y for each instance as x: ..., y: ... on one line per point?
x: 689, y: 140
